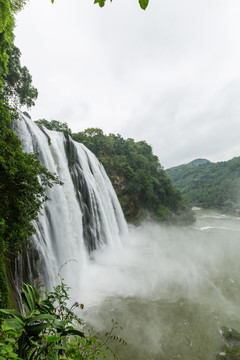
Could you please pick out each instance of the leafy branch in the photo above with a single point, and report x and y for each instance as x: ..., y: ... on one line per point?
x: 143, y: 3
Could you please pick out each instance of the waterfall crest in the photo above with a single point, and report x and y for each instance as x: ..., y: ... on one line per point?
x: 81, y: 216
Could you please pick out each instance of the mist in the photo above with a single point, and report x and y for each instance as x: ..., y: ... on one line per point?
x: 170, y: 288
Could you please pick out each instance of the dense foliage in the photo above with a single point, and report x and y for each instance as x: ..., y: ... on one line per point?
x: 210, y: 184
x: 54, y: 125
x: 8, y: 8
x: 50, y: 329
x: 18, y: 89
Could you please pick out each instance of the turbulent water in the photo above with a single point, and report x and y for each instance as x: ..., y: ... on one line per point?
x: 170, y: 288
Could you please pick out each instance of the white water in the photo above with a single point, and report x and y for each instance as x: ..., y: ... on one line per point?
x: 82, y: 215
x: 171, y: 289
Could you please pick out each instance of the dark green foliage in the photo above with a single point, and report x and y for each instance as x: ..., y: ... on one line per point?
x: 210, y: 184
x: 49, y: 329
x: 136, y: 174
x: 7, y: 10
x: 18, y: 89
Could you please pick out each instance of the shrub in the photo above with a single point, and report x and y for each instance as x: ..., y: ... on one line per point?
x: 49, y: 329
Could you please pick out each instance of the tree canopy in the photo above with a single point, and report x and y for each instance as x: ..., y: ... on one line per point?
x: 17, y: 86
x: 54, y: 125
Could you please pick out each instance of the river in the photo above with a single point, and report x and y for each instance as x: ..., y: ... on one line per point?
x: 170, y: 288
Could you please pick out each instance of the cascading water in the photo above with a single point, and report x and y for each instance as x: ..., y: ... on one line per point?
x: 82, y: 215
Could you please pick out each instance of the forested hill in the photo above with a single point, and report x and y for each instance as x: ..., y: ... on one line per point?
x: 135, y: 172
x: 209, y: 184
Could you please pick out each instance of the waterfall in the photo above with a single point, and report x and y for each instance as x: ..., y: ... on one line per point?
x: 81, y: 216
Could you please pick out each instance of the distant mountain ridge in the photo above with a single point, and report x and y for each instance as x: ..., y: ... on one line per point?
x: 198, y: 162
x: 195, y: 162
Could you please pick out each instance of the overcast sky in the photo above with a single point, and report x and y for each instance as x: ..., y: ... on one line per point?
x: 169, y: 75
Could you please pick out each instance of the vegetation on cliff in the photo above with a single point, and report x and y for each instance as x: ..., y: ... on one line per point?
x: 135, y: 172
x: 21, y: 193
x: 209, y: 184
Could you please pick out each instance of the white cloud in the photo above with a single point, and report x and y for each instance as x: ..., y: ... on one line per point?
x: 169, y: 75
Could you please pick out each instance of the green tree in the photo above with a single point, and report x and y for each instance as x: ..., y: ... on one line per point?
x: 8, y: 8
x: 54, y: 125
x: 18, y: 89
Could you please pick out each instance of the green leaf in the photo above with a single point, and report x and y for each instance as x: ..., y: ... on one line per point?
x: 40, y: 317
x: 60, y: 347
x: 14, y: 324
x: 52, y: 339
x: 101, y: 3
x: 35, y: 330
x: 9, y: 348
x: 59, y: 325
x: 143, y: 4
x: 29, y: 297
x: 73, y: 332
x: 13, y: 313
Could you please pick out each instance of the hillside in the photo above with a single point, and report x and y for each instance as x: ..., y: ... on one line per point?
x: 209, y: 184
